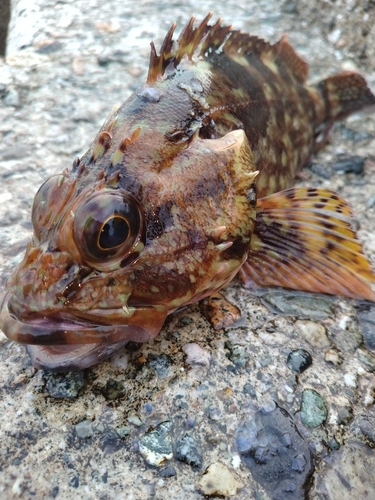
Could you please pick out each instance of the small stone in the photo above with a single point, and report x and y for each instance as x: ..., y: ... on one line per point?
x: 324, y: 171
x: 238, y: 353
x: 168, y: 472
x: 187, y: 451
x: 299, y: 360
x: 196, y: 355
x: 12, y: 98
x: 15, y: 152
x: 290, y: 7
x: 49, y: 47
x: 186, y: 320
x: 113, y: 390
x: 219, y: 312
x: 333, y: 444
x: 350, y: 379
x: 249, y: 389
x: 333, y: 356
x: 366, y: 318
x: 84, y: 429
x: 298, y: 303
x: 273, y: 339
x: 353, y: 164
x: 155, y: 446
x: 367, y: 426
x: 367, y: 359
x: 313, y: 408
x: 123, y: 431
x: 135, y: 420
x: 371, y: 202
x: 64, y: 385
x: 160, y: 364
x: 344, y: 415
x: 219, y: 480
x: 313, y: 333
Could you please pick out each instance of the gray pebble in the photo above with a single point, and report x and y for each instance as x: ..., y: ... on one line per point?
x: 298, y: 303
x: 65, y: 385
x: 313, y: 408
x: 353, y: 164
x: 155, y: 446
x: 366, y: 317
x: 12, y: 98
x: 187, y: 451
x: 84, y: 429
x: 367, y: 426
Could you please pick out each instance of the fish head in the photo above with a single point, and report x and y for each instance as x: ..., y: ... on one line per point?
x: 113, y: 254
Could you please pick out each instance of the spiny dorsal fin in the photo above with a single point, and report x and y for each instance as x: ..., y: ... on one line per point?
x: 188, y: 42
x: 206, y: 39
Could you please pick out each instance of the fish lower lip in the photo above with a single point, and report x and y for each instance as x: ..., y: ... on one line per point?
x: 66, y: 358
x: 142, y: 326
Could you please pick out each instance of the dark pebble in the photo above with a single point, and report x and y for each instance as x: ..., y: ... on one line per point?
x: 324, y: 171
x: 64, y: 385
x: 160, y: 364
x: 276, y: 454
x: 366, y: 318
x: 249, y: 389
x: 238, y: 354
x: 50, y: 48
x: 110, y: 442
x: 299, y: 360
x: 367, y: 426
x: 15, y: 152
x: 168, y: 472
x: 187, y: 451
x: 351, y: 165
x: 115, y: 56
x: 113, y: 390
x: 333, y: 444
x: 344, y: 415
x: 290, y: 7
x: 55, y: 491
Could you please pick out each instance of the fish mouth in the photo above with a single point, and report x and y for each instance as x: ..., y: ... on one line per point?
x: 66, y: 342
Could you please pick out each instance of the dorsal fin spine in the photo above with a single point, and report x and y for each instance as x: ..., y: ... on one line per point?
x: 206, y: 39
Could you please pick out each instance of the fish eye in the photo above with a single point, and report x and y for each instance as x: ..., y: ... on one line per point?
x: 114, y: 232
x: 109, y: 229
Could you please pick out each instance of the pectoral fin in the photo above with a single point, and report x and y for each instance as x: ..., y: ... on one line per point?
x: 303, y: 240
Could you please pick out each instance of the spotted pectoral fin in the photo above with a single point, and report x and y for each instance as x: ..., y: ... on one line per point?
x: 303, y: 240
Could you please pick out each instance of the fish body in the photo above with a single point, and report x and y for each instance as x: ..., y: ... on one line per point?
x: 186, y: 184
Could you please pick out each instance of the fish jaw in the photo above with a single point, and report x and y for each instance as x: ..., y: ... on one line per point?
x: 68, y: 343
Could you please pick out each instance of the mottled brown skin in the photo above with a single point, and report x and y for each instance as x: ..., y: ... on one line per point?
x: 181, y: 157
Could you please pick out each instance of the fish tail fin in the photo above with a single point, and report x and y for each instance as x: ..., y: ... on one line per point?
x: 303, y: 240
x: 345, y: 93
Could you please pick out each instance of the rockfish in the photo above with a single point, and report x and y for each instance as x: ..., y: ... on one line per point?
x: 187, y: 184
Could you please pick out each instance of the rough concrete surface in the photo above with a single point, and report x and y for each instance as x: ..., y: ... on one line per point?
x: 196, y: 412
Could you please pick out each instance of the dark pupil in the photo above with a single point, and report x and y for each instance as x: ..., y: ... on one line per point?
x: 114, y: 232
